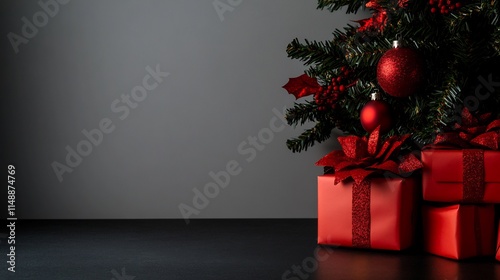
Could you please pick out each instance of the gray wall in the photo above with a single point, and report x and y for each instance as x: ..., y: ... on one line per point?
x: 224, y: 81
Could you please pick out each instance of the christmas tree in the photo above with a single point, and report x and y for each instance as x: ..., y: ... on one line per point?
x: 445, y: 60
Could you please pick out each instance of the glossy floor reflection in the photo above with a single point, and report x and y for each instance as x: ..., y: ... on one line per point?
x: 212, y: 249
x: 355, y: 264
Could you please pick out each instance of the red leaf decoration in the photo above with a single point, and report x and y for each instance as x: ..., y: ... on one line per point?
x: 378, y: 20
x: 302, y: 85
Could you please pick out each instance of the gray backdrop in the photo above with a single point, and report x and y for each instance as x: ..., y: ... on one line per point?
x: 75, y: 61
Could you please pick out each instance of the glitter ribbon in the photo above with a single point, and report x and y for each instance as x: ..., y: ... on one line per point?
x: 361, y: 157
x: 473, y: 175
x: 361, y: 214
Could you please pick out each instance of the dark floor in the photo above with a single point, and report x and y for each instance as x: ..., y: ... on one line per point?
x: 211, y: 249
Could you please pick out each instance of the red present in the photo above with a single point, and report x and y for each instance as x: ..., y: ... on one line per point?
x: 386, y: 222
x: 469, y: 175
x: 459, y: 231
x: 462, y: 165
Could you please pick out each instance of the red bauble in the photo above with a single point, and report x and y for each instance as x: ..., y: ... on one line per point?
x: 400, y: 72
x: 376, y: 113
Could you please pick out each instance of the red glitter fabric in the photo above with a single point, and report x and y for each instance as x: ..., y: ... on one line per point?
x: 361, y: 215
x: 473, y: 174
x: 400, y: 72
x: 362, y: 156
x: 472, y: 132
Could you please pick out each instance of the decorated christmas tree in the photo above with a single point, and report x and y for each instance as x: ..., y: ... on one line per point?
x: 411, y: 68
x: 424, y: 71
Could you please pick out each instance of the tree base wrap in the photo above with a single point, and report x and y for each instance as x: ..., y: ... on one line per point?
x: 459, y: 231
x: 386, y: 222
x: 461, y: 176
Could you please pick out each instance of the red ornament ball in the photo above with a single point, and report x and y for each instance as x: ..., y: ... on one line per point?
x: 400, y: 72
x: 376, y: 113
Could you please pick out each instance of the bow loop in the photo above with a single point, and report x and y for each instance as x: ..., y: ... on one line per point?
x: 361, y: 156
x: 472, y: 132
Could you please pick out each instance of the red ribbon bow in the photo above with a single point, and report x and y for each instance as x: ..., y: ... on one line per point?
x: 361, y: 157
x: 472, y: 132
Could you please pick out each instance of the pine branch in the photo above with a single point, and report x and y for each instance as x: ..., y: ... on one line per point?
x: 319, y: 133
x: 444, y: 102
x: 315, y: 52
x: 347, y: 117
x: 366, y: 54
x: 302, y: 113
x: 334, y: 5
x: 456, y: 49
x: 495, y: 42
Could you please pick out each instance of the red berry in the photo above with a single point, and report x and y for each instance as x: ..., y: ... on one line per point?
x: 339, y: 79
x: 342, y: 88
x: 335, y: 88
x: 433, y: 10
x: 458, y: 5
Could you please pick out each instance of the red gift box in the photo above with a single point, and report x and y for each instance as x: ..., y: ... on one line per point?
x: 468, y: 175
x: 459, y: 231
x: 388, y: 222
